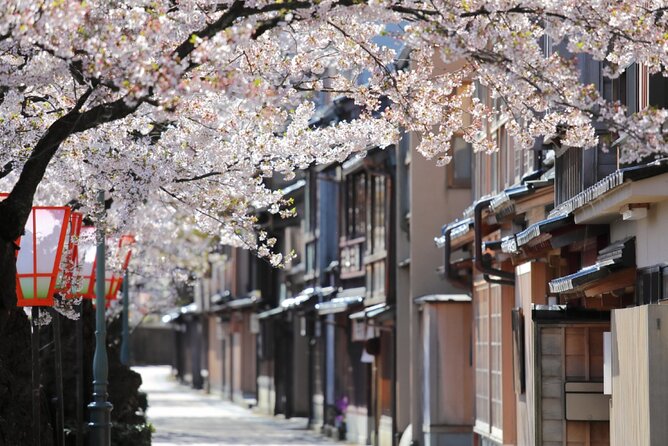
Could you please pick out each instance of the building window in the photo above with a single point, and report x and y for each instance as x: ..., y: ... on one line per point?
x: 651, y: 284
x: 461, y: 164
x: 356, y: 205
x: 569, y: 179
x: 488, y: 360
x: 379, y: 211
x: 658, y: 91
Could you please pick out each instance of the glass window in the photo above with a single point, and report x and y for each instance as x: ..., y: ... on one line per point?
x: 658, y: 91
x: 356, y: 206
x: 460, y: 167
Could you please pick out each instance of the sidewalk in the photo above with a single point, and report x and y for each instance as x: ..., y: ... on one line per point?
x: 183, y: 416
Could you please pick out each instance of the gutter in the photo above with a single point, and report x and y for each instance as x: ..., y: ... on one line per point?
x: 491, y: 275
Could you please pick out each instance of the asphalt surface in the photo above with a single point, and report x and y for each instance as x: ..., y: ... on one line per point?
x: 183, y: 416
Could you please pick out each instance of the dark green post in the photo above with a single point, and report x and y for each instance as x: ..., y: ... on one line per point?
x: 100, y: 408
x: 125, y: 341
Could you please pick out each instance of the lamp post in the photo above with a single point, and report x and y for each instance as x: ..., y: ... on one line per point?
x: 125, y: 340
x: 37, y: 272
x: 100, y: 408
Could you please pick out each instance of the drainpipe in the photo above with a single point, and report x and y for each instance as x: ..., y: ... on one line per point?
x: 498, y: 276
x: 450, y: 275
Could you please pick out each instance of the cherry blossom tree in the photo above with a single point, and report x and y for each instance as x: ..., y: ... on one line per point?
x: 188, y: 105
x: 181, y: 108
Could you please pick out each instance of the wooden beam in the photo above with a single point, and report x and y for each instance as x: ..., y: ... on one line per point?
x: 616, y: 281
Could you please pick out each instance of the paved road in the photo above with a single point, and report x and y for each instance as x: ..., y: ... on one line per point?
x: 183, y: 416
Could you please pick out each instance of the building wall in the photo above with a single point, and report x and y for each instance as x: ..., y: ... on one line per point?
x: 248, y: 370
x: 432, y: 204
x: 448, y: 373
x: 215, y: 354
x: 639, y: 379
x: 530, y: 288
x: 403, y: 300
x: 300, y: 372
x: 651, y: 242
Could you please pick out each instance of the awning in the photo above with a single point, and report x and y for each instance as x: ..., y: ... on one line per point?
x: 503, y: 205
x: 220, y: 299
x: 339, y: 304
x: 537, y: 229
x: 192, y: 308
x: 438, y: 298
x: 270, y: 313
x: 297, y: 302
x: 294, y: 187
x: 300, y: 299
x: 616, y: 256
x: 459, y: 229
x: 377, y: 311
x: 244, y: 302
x: 239, y: 303
x: 614, y: 181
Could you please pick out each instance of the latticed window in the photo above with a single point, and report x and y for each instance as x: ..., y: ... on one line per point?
x: 488, y: 359
x: 482, y: 363
x: 379, y: 211
x: 356, y: 205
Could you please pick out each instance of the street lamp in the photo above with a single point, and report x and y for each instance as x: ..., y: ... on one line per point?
x: 100, y: 408
x: 115, y: 277
x: 124, y: 252
x: 37, y: 272
x: 70, y: 260
x: 38, y: 260
x: 86, y: 252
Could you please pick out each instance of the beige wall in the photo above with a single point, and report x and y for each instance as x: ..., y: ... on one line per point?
x: 448, y: 375
x: 432, y: 204
x: 530, y: 287
x: 650, y: 232
x: 215, y: 355
x: 639, y: 378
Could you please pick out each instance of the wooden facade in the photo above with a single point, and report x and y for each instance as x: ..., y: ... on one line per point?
x: 354, y: 337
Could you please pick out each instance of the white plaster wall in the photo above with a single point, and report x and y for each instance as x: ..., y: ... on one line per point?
x: 651, y: 235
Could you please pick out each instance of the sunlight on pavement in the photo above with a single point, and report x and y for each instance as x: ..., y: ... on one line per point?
x: 183, y: 416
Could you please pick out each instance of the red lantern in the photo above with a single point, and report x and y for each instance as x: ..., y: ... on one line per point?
x: 71, y: 257
x: 114, y: 279
x: 38, y: 260
x: 86, y: 251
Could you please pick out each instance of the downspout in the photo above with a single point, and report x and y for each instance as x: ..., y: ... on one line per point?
x: 447, y: 268
x: 499, y: 276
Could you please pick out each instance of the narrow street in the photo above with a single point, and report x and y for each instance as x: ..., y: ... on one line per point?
x: 183, y: 416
